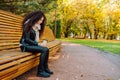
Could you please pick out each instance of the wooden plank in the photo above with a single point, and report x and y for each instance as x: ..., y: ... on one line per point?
x: 5, y: 73
x: 4, y: 44
x: 3, y: 25
x: 6, y: 41
x: 10, y: 35
x: 28, y: 58
x: 21, y: 68
x: 12, y: 41
x: 3, y: 34
x: 9, y: 32
x: 9, y: 38
x: 8, y: 47
x: 48, y: 34
x: 4, y: 66
x: 9, y: 14
x: 9, y: 18
x: 9, y: 55
x: 15, y: 58
x: 8, y: 65
x: 13, y: 30
x: 11, y: 24
x: 25, y: 68
x: 11, y: 51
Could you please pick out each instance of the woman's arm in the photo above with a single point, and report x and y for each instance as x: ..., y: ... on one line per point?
x: 30, y: 41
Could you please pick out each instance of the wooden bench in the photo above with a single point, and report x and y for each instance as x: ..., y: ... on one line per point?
x: 13, y: 62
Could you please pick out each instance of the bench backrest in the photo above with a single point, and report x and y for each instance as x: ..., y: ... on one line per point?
x: 47, y: 34
x: 10, y: 31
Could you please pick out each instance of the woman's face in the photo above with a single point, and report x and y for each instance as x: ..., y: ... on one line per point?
x: 40, y: 20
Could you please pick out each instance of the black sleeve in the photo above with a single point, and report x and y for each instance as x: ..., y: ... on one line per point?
x: 30, y: 41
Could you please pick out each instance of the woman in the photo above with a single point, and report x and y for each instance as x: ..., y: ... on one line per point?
x: 33, y: 26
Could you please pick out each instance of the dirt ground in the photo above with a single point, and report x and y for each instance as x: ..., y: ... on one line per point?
x: 78, y: 62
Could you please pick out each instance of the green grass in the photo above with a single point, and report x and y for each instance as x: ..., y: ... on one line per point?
x: 104, y: 45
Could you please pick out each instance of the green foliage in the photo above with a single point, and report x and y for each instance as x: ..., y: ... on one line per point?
x: 58, y: 29
x: 93, y: 18
x: 23, y: 7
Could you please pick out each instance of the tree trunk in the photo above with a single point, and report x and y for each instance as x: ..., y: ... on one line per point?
x: 66, y: 34
x: 95, y: 33
x: 90, y: 34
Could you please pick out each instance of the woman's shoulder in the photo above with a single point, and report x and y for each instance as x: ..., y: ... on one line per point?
x: 32, y: 31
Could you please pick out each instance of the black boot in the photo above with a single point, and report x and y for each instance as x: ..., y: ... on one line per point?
x: 48, y: 71
x: 46, y: 63
x: 44, y: 54
x: 43, y: 74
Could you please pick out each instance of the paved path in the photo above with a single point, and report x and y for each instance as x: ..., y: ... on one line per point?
x: 78, y: 62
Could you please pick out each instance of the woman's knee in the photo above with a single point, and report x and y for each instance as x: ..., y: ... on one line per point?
x: 46, y: 49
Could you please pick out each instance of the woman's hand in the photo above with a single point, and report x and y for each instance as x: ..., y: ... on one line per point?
x: 43, y: 44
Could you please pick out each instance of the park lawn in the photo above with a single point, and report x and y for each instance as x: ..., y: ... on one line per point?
x: 112, y: 46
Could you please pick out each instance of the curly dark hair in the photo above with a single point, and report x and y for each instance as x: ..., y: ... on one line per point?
x: 31, y: 19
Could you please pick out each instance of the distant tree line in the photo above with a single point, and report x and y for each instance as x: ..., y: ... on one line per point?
x: 23, y: 7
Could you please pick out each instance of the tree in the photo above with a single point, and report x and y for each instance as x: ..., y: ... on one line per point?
x: 95, y: 19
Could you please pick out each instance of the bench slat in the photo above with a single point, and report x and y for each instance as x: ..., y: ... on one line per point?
x: 19, y: 69
x: 15, y: 62
x: 13, y: 30
x: 14, y: 27
x: 3, y: 61
x: 9, y: 35
x: 9, y: 18
x: 8, y: 65
x: 9, y: 32
x: 9, y: 47
x: 10, y: 24
x: 10, y: 14
x: 9, y: 38
x: 5, y: 44
x: 6, y: 73
x: 6, y: 41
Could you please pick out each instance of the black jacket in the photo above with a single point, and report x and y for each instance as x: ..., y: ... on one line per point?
x: 28, y: 39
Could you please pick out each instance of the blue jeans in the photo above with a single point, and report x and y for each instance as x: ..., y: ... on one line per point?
x: 43, y: 62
